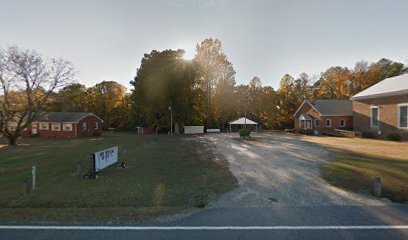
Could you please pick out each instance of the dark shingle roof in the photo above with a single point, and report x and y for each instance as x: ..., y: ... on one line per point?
x: 62, y: 116
x: 334, y: 107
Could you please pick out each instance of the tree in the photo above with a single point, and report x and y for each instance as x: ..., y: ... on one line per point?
x: 269, y: 112
x: 72, y: 98
x: 364, y: 76
x: 223, y: 103
x: 213, y: 66
x: 255, y: 98
x: 165, y: 79
x: 288, y: 102
x: 335, y: 83
x: 105, y: 99
x: 27, y: 80
x: 388, y: 68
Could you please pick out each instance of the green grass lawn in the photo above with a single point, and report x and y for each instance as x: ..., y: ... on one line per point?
x: 164, y: 175
x: 356, y: 162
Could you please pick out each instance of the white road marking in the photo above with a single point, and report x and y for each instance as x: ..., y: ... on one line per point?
x: 198, y: 228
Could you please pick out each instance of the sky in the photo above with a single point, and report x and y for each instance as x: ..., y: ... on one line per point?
x: 106, y: 39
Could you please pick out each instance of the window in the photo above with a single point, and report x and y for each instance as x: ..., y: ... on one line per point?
x: 84, y: 126
x: 96, y: 125
x: 403, y: 115
x: 44, y: 126
x: 317, y: 123
x: 342, y: 123
x: 328, y: 122
x: 67, y: 127
x: 374, y: 116
x: 56, y: 126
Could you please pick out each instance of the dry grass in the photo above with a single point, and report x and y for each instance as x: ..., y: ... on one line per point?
x: 356, y: 162
x: 377, y: 148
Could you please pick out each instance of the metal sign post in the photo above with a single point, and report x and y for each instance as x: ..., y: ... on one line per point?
x: 33, y: 172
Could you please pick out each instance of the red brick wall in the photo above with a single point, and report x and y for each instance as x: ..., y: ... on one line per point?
x: 306, y: 109
x: 335, y: 122
x: 50, y: 133
x: 388, y: 115
x: 90, y: 131
x: 76, y: 130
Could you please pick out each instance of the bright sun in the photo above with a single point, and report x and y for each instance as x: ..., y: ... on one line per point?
x: 188, y: 55
x: 189, y: 51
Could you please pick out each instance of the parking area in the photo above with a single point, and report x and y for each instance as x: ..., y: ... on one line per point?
x: 279, y: 169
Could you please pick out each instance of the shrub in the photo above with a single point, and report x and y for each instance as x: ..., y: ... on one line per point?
x: 244, y: 132
x: 369, y: 135
x: 96, y: 134
x: 306, y: 132
x: 393, y: 137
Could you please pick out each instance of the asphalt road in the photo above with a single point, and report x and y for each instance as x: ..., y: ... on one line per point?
x: 325, y: 222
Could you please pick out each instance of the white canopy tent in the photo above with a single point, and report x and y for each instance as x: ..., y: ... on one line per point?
x: 243, y: 121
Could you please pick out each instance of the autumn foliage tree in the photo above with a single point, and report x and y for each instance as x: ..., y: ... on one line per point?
x: 107, y: 99
x: 215, y: 74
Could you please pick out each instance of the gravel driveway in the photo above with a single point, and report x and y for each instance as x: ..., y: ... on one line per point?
x: 279, y: 169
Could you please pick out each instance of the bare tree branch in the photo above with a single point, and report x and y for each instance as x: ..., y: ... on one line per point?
x: 26, y: 82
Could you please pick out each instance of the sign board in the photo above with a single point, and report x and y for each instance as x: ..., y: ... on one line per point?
x: 105, y: 158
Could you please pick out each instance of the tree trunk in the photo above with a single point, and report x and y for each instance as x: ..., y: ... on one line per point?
x: 177, y: 128
x: 12, y: 140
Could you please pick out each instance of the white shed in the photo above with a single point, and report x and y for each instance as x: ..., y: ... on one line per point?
x: 243, y: 121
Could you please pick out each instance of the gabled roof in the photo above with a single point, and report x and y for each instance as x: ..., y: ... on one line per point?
x: 334, y: 107
x: 241, y: 121
x: 330, y: 107
x: 72, y: 117
x: 387, y: 87
x: 305, y: 117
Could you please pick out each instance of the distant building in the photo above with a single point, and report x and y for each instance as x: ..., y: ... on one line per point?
x: 383, y: 108
x: 322, y: 116
x: 65, y: 124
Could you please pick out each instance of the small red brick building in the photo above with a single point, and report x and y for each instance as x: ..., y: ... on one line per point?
x: 323, y: 115
x: 65, y: 124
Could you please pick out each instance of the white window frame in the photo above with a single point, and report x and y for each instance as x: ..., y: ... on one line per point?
x: 64, y: 125
x: 53, y: 125
x: 399, y: 115
x: 317, y: 121
x: 43, y: 124
x: 330, y: 121
x: 344, y: 122
x: 96, y: 126
x: 371, y: 116
x: 84, y: 126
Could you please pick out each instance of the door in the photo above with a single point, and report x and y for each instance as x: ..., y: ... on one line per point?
x: 34, y: 129
x: 308, y: 124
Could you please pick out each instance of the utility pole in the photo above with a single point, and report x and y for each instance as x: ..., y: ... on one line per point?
x: 171, y: 120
